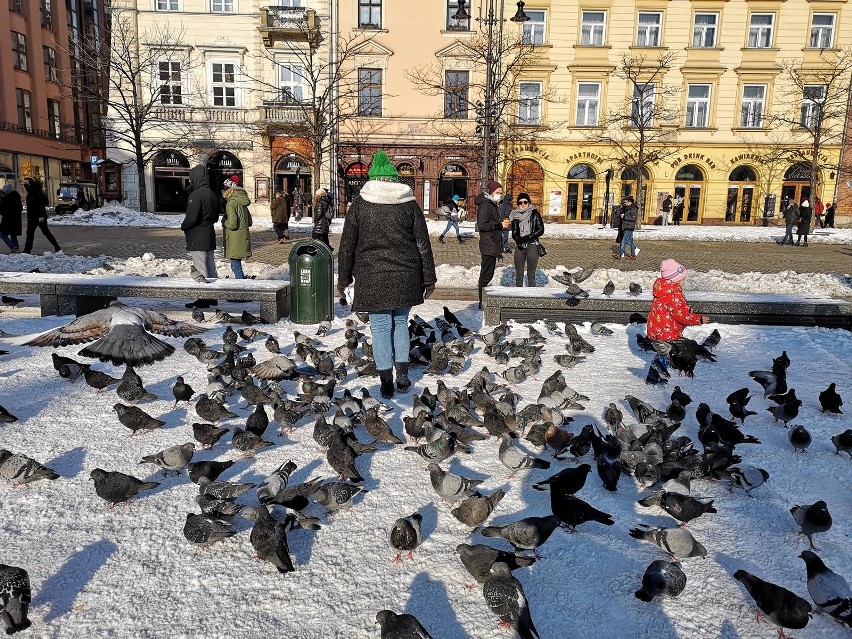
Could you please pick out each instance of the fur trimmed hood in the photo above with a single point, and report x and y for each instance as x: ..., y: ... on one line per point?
x: 379, y: 192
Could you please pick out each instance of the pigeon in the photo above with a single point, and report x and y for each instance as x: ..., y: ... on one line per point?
x: 682, y: 398
x: 712, y: 340
x: 210, y: 410
x: 19, y: 470
x: 661, y: 578
x: 136, y: 419
x: 271, y: 344
x: 680, y: 485
x: 829, y: 591
x: 843, y: 442
x: 15, y: 597
x: 130, y: 388
x: 474, y: 510
x: 68, y: 368
x: 525, y: 534
x: 341, y: 457
x: 275, y: 368
x: 598, y: 328
x: 676, y: 412
x: 98, y: 379
x: 173, y: 458
x: 748, y: 477
x: 335, y: 494
x: 677, y: 541
x: 514, y: 458
x: 217, y: 507
x: 378, y: 428
x: 207, y: 434
x: 439, y: 450
x: 782, y: 607
x: 454, y: 321
x: 116, y: 487
x: 772, y: 381
x: 449, y: 486
x: 788, y: 411
x: 197, y: 315
x: 324, y: 326
x: 10, y: 301
x: 406, y: 535
x: 830, y: 401
x: 505, y: 596
x: 567, y: 481
x: 205, y: 472
x: 634, y: 288
x: 685, y: 508
x: 573, y: 511
x: 248, y: 319
x: 575, y: 290
x: 812, y: 519
x: 608, y: 460
x: 404, y: 626
x: 203, y: 530
x: 224, y: 489
x: 182, y: 391
x: 479, y: 558
x: 120, y: 335
x: 269, y: 538
x: 247, y: 442
x: 295, y: 497
x: 6, y: 417
x: 609, y: 288
x: 800, y: 438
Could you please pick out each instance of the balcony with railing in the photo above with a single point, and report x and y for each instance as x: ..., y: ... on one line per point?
x: 189, y: 114
x: 290, y: 113
x: 289, y: 23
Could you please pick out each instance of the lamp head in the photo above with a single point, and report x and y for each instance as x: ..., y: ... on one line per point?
x: 461, y: 15
x: 520, y: 16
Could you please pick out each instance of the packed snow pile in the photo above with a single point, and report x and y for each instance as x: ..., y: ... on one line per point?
x: 113, y: 214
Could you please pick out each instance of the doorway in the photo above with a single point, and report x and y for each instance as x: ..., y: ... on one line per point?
x: 581, y: 193
x: 740, y: 200
x: 689, y: 193
x: 171, y: 179
x: 796, y: 185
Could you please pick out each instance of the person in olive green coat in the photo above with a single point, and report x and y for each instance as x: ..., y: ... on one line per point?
x: 236, y: 226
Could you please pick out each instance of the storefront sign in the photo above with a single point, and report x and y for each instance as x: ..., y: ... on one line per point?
x: 694, y: 156
x: 585, y: 155
x: 427, y: 193
x: 453, y: 170
x: 554, y: 204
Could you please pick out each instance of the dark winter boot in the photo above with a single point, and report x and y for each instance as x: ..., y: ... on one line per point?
x: 386, y: 388
x: 402, y: 381
x: 461, y: 241
x: 441, y: 239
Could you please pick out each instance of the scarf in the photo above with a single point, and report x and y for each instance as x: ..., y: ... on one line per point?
x: 524, y: 220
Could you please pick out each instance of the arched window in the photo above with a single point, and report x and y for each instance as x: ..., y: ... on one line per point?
x: 406, y: 173
x: 799, y: 172
x: 354, y: 177
x: 796, y: 185
x: 629, y: 182
x: 742, y: 174
x: 581, y: 192
x: 688, y: 200
x: 223, y: 165
x: 690, y: 172
x: 453, y: 180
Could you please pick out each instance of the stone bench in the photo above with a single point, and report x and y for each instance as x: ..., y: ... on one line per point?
x: 503, y: 303
x: 73, y: 294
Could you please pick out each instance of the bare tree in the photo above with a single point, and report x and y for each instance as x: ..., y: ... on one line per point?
x: 774, y: 148
x: 641, y: 131
x: 817, y: 121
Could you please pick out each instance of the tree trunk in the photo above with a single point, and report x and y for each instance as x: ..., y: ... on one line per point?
x: 140, y: 176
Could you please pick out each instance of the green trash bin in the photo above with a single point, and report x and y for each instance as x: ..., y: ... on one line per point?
x: 311, y: 282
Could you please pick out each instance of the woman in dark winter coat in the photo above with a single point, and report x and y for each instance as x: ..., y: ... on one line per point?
x: 385, y: 248
x: 202, y: 212
x: 37, y: 215
x: 280, y: 213
x: 10, y: 217
x: 490, y: 232
x: 322, y: 217
x: 527, y: 226
x: 804, y: 226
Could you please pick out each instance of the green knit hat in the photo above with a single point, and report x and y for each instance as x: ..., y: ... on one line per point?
x: 382, y: 167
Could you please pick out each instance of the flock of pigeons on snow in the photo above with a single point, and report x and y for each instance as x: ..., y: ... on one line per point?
x: 441, y: 423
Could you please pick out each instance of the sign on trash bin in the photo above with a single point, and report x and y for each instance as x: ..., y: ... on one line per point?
x: 305, y: 277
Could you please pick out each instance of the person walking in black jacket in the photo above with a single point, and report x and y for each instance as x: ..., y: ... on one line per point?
x: 322, y: 217
x: 10, y: 217
x: 490, y: 232
x: 629, y: 215
x: 37, y: 215
x: 527, y: 226
x: 202, y: 212
x: 280, y: 213
x: 385, y: 249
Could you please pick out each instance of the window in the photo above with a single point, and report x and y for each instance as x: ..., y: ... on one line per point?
x: 370, y: 92
x: 296, y: 4
x: 529, y: 103
x: 291, y: 82
x: 697, y: 105
x: 170, y: 85
x: 16, y: 6
x: 753, y: 106
x: 19, y: 50
x: 452, y: 23
x: 642, y: 105
x: 168, y: 5
x: 49, y: 55
x: 46, y: 14
x: 369, y: 14
x: 25, y: 111
x: 760, y: 30
x: 222, y: 6
x: 224, y: 84
x: 648, y: 32
x: 812, y: 98
x: 592, y: 32
x: 588, y: 103
x: 822, y: 30
x: 53, y: 119
x: 532, y: 31
x: 704, y: 31
x: 455, y: 95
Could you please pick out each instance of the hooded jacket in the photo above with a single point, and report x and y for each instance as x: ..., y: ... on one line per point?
x: 321, y: 221
x: 236, y: 224
x: 629, y: 216
x: 669, y: 313
x: 36, y: 202
x: 489, y: 225
x: 202, y: 212
x: 10, y: 213
x: 385, y: 247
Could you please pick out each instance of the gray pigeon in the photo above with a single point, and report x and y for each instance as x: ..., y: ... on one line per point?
x: 575, y: 290
x: 677, y: 541
x: 438, y: 450
x: 505, y: 596
x: 843, y: 442
x: 812, y: 519
x: 116, y: 487
x: 130, y: 388
x: 247, y: 442
x: 203, y: 530
x: 800, y: 438
x: 136, y: 419
x: 661, y: 578
x: 224, y: 489
x: 515, y: 459
x: 406, y: 535
x: 336, y: 494
x: 634, y: 288
x: 474, y: 510
x: 172, y: 458
x: 748, y: 477
x: 404, y: 626
x: 449, y: 486
x: 479, y: 558
x: 609, y: 288
x: 525, y: 534
x: 217, y: 507
x: 19, y: 469
x: 829, y: 591
x: 210, y: 410
x: 15, y: 597
x: 276, y: 481
x: 598, y: 328
x: 269, y: 538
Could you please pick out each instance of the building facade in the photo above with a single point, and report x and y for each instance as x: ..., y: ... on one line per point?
x: 49, y: 130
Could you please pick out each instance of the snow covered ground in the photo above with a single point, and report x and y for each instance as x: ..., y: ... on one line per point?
x: 129, y: 572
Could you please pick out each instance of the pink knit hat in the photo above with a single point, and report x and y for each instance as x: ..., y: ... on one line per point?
x: 672, y: 271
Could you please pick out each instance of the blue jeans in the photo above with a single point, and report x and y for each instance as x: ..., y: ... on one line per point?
x: 390, y: 337
x: 506, y: 239
x: 626, y: 241
x: 788, y: 234
x: 237, y: 268
x: 11, y: 242
x: 450, y: 225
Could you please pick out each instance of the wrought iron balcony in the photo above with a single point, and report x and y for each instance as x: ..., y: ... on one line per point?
x: 289, y: 23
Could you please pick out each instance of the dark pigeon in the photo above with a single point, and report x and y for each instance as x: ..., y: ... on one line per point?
x: 505, y: 596
x: 204, y: 472
x: 404, y: 626
x: 269, y: 538
x: 203, y: 530
x: 661, y: 578
x: 131, y: 389
x: 843, y: 442
x: 182, y: 391
x: 98, y: 379
x: 812, y: 519
x: 136, y: 419
x: 117, y: 487
x: 15, y: 597
x: 210, y: 410
x: 207, y: 434
x: 829, y: 591
x: 782, y: 607
x: 800, y: 438
x: 479, y: 558
x: 572, y: 511
x: 406, y: 535
x: 685, y: 508
x: 830, y: 401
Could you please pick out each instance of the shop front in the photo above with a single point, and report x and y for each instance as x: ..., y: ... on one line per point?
x: 688, y: 202
x: 292, y: 175
x: 581, y: 193
x: 797, y: 184
x: 742, y: 191
x: 222, y: 165
x: 171, y: 179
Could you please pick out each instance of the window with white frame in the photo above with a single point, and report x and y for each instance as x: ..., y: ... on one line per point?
x: 291, y: 82
x: 291, y: 3
x: 697, y: 105
x: 370, y: 92
x: 649, y: 28
x: 222, y: 6
x: 642, y: 105
x: 588, y: 103
x: 54, y: 121
x: 813, y: 96
x: 533, y: 30
x: 456, y: 85
x: 224, y: 84
x: 753, y: 106
x: 704, y: 30
x: 167, y: 5
x: 529, y: 103
x: 593, y: 28
x: 454, y: 24
x: 369, y: 14
x: 822, y: 30
x: 760, y: 30
x: 170, y: 80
